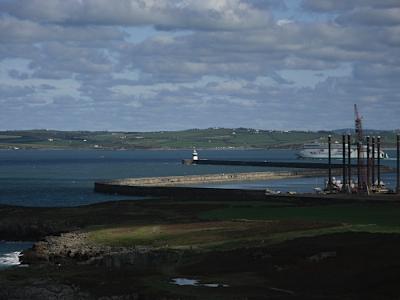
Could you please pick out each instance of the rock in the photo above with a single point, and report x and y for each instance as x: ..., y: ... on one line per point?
x: 323, y: 255
x: 75, y: 247
x: 42, y: 290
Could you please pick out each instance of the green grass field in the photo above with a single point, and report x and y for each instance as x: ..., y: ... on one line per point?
x: 260, y: 250
x: 210, y: 138
x: 236, y: 224
x: 199, y: 235
x: 378, y: 217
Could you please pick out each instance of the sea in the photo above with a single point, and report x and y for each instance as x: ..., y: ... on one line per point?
x: 63, y: 178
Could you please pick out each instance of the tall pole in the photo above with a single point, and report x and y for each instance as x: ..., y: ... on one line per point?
x: 373, y: 161
x: 344, y: 183
x: 329, y: 162
x: 379, y: 159
x: 368, y: 165
x: 358, y: 167
x: 398, y: 164
x: 349, y: 159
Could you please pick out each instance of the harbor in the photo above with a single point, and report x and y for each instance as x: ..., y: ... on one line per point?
x: 194, y: 186
x: 362, y: 178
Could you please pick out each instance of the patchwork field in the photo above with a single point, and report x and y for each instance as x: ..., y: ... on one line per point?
x: 210, y: 138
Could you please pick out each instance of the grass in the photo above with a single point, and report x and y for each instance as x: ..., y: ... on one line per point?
x: 199, y: 235
x: 239, y: 227
x: 240, y: 224
x: 381, y: 216
x: 200, y: 138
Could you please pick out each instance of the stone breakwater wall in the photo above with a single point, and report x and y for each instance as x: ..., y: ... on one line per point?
x: 179, y: 186
x: 209, y: 178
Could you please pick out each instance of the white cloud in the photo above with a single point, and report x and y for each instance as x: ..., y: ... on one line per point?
x: 372, y: 17
x: 86, y: 67
x: 166, y: 14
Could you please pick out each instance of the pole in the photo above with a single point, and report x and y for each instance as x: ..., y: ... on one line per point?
x: 329, y: 162
x: 373, y: 161
x: 379, y: 160
x: 344, y: 183
x: 368, y: 165
x: 358, y: 167
x: 349, y: 159
x: 398, y: 164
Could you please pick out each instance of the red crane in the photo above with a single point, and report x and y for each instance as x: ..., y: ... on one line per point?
x: 359, y: 132
x: 362, y: 172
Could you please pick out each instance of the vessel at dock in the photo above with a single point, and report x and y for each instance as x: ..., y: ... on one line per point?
x: 318, y: 150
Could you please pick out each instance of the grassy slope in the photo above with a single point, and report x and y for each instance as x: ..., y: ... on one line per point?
x: 242, y: 259
x: 204, y: 138
x: 200, y: 235
x: 382, y: 214
x: 234, y: 225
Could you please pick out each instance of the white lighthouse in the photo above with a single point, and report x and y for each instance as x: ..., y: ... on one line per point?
x: 195, y: 155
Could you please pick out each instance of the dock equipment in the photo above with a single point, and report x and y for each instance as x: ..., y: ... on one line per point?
x: 349, y: 158
x: 368, y: 163
x: 378, y: 144
x: 398, y: 164
x: 373, y: 161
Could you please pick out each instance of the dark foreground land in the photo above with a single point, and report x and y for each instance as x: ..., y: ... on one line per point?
x: 246, y: 250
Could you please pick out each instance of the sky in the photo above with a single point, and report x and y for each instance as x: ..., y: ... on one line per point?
x: 145, y: 65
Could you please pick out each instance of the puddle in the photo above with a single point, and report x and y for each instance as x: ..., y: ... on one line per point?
x: 184, y: 281
x: 195, y: 282
x: 214, y: 285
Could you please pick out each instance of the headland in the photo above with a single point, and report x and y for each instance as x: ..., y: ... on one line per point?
x: 267, y: 249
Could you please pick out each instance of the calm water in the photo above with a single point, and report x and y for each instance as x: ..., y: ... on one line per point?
x: 65, y: 178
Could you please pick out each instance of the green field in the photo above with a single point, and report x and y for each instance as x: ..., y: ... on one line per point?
x: 237, y: 224
x: 211, y: 138
x: 383, y: 217
x: 260, y: 250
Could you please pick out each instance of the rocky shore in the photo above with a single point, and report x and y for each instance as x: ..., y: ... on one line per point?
x: 75, y: 247
x: 134, y: 250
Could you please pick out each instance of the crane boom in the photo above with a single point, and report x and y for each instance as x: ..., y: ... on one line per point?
x: 359, y: 132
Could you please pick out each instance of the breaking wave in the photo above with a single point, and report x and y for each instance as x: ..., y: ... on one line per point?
x: 10, y: 259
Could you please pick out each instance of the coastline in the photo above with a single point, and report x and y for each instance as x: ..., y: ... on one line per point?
x: 131, y: 250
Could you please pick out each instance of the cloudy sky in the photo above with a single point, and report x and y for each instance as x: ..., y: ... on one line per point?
x: 141, y: 65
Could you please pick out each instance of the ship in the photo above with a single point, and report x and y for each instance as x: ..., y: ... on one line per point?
x: 321, y: 151
x: 318, y: 150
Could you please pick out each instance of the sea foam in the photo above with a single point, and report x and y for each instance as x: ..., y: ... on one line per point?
x: 10, y: 259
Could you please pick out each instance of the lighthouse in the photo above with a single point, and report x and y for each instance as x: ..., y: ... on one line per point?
x: 195, y: 156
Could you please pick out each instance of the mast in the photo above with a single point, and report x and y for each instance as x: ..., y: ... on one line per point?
x: 362, y: 182
x: 358, y: 127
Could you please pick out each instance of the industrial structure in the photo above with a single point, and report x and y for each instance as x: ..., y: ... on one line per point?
x: 368, y: 170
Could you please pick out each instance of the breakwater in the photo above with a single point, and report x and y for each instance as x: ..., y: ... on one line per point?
x: 212, y: 178
x: 274, y: 164
x: 182, y: 186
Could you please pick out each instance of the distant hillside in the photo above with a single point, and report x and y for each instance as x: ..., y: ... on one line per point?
x: 212, y: 138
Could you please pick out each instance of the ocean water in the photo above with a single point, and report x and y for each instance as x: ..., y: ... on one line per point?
x: 66, y: 177
x: 10, y: 251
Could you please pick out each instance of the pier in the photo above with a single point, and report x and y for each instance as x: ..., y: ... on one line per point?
x: 213, y: 178
x: 183, y: 186
x: 265, y: 163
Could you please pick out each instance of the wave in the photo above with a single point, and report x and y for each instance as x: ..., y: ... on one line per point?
x: 10, y: 259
